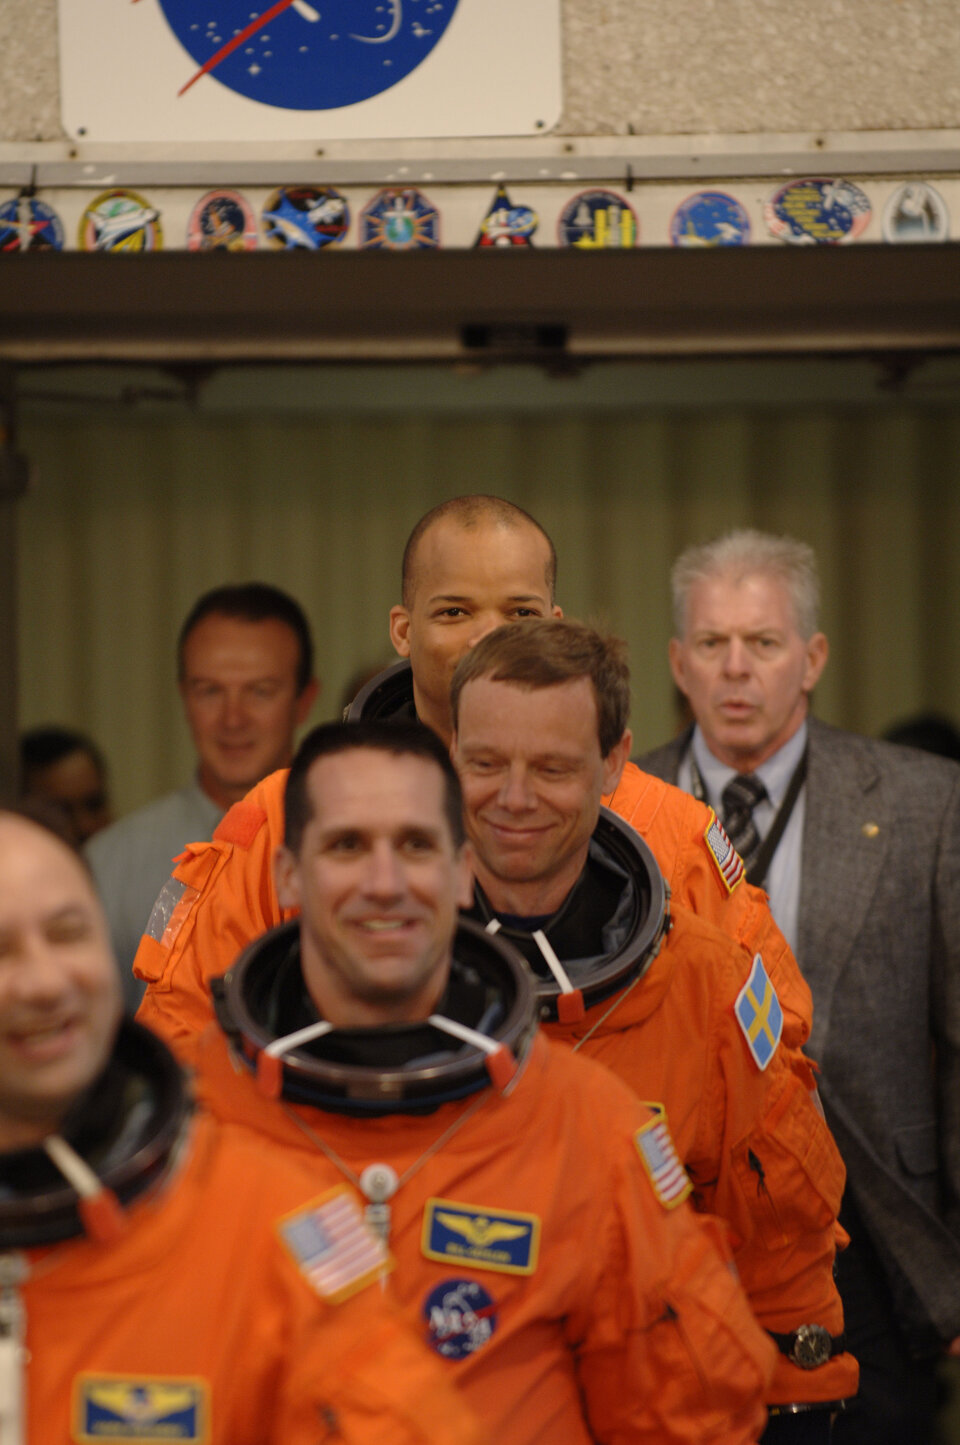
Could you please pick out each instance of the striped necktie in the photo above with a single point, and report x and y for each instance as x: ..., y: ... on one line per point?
x: 739, y: 798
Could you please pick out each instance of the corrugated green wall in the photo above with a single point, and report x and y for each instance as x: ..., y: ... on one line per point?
x: 131, y: 517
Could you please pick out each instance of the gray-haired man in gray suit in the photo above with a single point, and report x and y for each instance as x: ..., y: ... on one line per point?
x: 858, y: 844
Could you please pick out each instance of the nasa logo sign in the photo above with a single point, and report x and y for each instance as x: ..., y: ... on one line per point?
x: 301, y: 56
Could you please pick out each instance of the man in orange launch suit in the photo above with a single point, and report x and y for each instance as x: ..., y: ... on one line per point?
x: 161, y: 1278
x: 680, y: 1012
x: 534, y: 1207
x: 470, y: 565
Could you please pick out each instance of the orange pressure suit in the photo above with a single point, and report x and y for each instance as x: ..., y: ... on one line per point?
x: 660, y: 1009
x: 571, y: 1299
x: 693, y: 852
x: 221, y: 896
x: 705, y: 874
x: 199, y: 1320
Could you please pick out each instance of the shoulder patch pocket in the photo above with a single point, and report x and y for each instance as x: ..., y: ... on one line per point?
x: 171, y: 919
x: 240, y: 825
x: 170, y: 911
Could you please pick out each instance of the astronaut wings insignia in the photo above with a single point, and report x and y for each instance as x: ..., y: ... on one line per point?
x: 498, y: 1239
x: 480, y: 1231
x: 133, y: 1410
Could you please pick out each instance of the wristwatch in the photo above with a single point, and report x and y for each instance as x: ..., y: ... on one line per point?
x: 809, y: 1346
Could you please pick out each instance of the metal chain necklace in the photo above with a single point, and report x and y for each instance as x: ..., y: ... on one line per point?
x: 379, y: 1182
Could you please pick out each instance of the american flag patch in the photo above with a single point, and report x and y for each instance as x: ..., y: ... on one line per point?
x: 728, y: 860
x: 661, y: 1161
x: 332, y: 1246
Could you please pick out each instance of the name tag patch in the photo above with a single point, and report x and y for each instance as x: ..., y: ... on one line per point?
x: 131, y: 1410
x: 759, y: 1014
x: 500, y: 1240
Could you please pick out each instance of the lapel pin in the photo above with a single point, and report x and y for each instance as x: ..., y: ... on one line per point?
x: 870, y: 830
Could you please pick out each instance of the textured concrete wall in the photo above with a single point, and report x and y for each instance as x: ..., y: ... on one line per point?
x: 703, y: 66
x: 685, y: 66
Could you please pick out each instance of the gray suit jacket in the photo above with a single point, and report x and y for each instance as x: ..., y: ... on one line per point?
x: 879, y: 944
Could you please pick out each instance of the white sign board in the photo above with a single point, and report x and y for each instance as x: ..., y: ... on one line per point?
x: 261, y: 70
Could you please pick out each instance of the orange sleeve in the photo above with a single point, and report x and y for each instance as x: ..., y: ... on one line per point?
x: 668, y: 1316
x: 779, y: 1181
x: 220, y: 897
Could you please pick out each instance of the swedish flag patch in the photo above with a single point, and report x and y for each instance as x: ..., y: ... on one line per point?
x: 759, y: 1014
x: 132, y: 1410
x: 487, y: 1239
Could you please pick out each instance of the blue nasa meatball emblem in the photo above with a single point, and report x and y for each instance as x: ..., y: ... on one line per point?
x: 298, y: 55
x: 460, y: 1317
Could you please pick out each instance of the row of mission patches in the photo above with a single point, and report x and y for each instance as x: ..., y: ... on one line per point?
x: 812, y: 211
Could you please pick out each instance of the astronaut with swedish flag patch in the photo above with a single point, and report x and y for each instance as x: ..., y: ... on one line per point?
x: 679, y: 1011
x: 534, y: 1209
x: 470, y: 564
x: 163, y: 1278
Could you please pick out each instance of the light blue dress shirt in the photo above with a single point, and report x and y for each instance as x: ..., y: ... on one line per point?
x: 783, y: 875
x: 132, y: 859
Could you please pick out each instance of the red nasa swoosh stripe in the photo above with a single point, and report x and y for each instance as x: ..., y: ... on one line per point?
x: 237, y: 41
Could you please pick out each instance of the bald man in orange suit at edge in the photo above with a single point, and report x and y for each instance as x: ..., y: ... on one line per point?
x: 163, y: 1277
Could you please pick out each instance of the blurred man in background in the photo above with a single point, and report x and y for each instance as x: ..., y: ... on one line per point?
x: 66, y: 769
x: 245, y: 663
